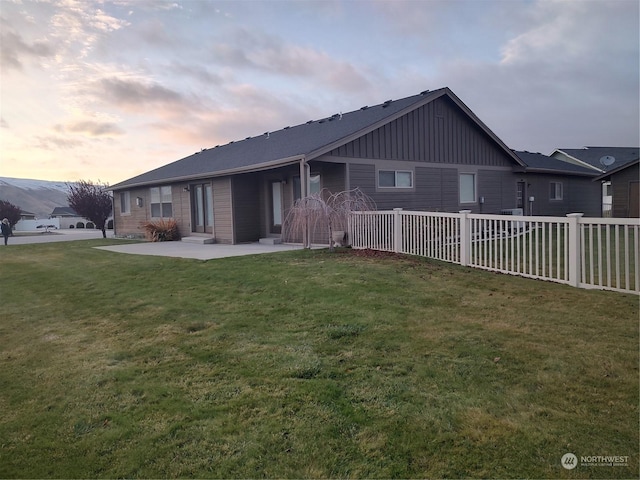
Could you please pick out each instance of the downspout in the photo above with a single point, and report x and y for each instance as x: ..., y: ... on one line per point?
x: 304, y: 188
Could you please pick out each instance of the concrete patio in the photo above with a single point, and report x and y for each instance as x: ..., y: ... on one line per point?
x: 198, y: 251
x: 180, y: 249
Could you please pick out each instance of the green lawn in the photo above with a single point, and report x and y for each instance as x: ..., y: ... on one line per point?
x: 306, y: 364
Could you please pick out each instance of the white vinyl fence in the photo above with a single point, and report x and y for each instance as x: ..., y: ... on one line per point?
x: 582, y: 252
x: 34, y: 225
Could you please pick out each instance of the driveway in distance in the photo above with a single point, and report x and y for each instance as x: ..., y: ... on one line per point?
x: 63, y: 235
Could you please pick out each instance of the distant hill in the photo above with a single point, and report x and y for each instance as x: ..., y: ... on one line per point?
x: 36, y: 196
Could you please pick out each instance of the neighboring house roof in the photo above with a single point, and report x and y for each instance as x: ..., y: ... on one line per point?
x: 24, y: 213
x: 591, y: 156
x: 613, y: 171
x: 540, y: 163
x: 301, y: 142
x: 64, y: 212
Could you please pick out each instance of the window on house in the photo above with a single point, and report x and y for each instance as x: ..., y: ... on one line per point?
x: 125, y: 203
x: 161, y: 202
x: 395, y: 179
x: 467, y: 188
x: 555, y: 191
x: 314, y: 185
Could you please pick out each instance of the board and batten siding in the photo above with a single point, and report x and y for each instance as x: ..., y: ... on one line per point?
x: 624, y: 186
x: 332, y: 173
x: 438, y: 132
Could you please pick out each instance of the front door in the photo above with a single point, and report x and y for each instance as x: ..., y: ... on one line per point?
x: 202, y: 208
x: 276, y: 207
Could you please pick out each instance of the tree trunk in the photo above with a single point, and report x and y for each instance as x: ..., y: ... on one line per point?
x: 104, y: 233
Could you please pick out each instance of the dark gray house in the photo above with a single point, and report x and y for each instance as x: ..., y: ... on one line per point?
x: 624, y: 185
x: 424, y: 152
x: 619, y: 183
x: 555, y: 188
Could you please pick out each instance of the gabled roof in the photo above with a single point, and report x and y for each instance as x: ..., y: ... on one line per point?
x: 539, y: 163
x: 292, y: 144
x: 591, y: 156
x: 64, y: 211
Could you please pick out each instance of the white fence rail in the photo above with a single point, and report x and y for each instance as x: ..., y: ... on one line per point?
x: 583, y: 252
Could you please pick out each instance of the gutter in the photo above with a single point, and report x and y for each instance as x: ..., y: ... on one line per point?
x: 556, y: 172
x: 220, y: 173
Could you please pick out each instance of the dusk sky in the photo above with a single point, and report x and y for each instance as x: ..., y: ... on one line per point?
x: 106, y: 90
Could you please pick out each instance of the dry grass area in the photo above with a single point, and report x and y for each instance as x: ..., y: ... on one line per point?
x: 306, y: 364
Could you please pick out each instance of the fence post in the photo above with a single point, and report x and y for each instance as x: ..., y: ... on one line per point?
x: 465, y: 237
x: 397, y: 230
x: 573, y: 246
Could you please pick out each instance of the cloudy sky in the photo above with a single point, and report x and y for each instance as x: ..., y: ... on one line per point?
x: 105, y: 90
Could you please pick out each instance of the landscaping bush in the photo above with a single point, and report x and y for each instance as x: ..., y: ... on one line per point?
x: 79, y: 225
x: 162, y: 230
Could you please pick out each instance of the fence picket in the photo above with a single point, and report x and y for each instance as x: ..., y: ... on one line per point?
x: 593, y: 253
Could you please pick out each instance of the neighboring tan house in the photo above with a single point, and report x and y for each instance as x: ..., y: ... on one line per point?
x: 602, y: 160
x: 624, y: 183
x: 424, y: 152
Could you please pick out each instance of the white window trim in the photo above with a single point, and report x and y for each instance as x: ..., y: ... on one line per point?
x: 319, y: 177
x: 161, y: 203
x: 395, y: 171
x: 475, y: 188
x: 555, y: 191
x: 296, y: 179
x: 126, y: 197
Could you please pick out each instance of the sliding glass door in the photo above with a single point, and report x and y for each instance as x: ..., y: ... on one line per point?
x: 202, y: 208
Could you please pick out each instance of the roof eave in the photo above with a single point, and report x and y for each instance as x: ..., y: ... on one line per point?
x: 581, y: 162
x: 616, y: 170
x: 281, y: 162
x: 559, y: 172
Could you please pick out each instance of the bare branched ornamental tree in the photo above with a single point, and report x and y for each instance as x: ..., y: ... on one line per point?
x: 9, y: 211
x: 91, y: 201
x: 323, y: 213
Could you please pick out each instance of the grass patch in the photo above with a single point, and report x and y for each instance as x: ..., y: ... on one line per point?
x: 306, y: 364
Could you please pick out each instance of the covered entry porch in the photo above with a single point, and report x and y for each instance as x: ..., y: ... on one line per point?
x: 252, y: 206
